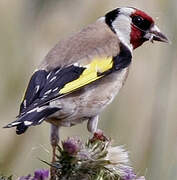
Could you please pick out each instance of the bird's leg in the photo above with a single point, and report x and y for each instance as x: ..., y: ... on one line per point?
x: 92, y: 124
x: 54, y: 139
x: 92, y: 127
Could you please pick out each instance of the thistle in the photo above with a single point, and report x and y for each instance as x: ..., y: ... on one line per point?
x: 97, y: 159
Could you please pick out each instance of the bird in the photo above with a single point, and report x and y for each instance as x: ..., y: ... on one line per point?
x: 82, y: 74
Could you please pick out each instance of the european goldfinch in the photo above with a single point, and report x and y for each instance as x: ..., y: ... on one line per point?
x: 82, y: 74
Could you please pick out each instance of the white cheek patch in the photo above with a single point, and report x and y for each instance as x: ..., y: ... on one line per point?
x: 122, y: 26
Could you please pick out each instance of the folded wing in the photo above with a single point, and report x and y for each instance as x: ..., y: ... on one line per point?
x: 45, y: 87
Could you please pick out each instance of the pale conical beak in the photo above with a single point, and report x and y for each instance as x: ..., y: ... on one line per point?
x: 154, y: 34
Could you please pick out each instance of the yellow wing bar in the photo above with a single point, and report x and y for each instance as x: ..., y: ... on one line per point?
x: 90, y: 74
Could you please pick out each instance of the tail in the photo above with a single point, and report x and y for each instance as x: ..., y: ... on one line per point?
x: 32, y: 118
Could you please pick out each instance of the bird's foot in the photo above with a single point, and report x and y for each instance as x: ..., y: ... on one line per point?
x: 99, y: 135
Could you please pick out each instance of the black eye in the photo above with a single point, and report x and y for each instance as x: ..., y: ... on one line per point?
x: 137, y: 20
x: 141, y: 23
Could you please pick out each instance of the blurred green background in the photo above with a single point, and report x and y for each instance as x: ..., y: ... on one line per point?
x: 144, y: 115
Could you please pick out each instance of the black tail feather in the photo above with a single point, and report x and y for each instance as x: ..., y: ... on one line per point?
x: 32, y: 118
x: 21, y: 128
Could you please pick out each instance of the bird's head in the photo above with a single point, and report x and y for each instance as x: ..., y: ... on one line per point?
x: 133, y: 27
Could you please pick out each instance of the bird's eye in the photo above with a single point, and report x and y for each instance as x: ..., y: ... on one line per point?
x: 141, y: 23
x: 137, y: 21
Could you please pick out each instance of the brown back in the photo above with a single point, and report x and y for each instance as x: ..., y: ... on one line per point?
x: 95, y: 40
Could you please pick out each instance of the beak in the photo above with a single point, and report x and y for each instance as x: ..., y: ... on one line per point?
x: 154, y: 34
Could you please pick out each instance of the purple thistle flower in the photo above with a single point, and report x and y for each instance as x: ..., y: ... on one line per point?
x: 129, y: 174
x: 72, y: 146
x: 41, y: 174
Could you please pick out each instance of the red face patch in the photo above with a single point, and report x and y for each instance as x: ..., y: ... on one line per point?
x: 143, y: 15
x: 141, y: 23
x: 136, y: 37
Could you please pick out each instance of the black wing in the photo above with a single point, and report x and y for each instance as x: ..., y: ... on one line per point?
x: 42, y: 87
